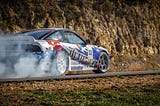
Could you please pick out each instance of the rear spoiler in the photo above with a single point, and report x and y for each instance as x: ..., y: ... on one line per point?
x: 11, y: 46
x: 16, y: 39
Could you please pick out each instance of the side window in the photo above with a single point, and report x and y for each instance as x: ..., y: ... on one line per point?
x: 73, y: 38
x: 38, y: 34
x: 55, y: 36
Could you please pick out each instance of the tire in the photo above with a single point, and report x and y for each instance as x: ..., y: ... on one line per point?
x: 103, y: 63
x: 60, y: 64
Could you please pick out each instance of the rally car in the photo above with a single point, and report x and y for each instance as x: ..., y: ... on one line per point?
x: 60, y: 50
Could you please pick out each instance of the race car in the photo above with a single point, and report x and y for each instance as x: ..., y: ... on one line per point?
x: 60, y: 50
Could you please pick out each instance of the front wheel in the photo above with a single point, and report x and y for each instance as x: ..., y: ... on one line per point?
x: 103, y: 63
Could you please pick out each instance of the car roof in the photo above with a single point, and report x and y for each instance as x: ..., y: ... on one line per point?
x: 51, y: 29
x: 45, y: 29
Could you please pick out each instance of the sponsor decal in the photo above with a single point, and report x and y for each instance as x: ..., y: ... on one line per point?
x: 55, y: 45
x: 76, y: 68
x: 50, y: 42
x: 76, y: 55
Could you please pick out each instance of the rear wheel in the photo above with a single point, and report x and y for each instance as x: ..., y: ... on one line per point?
x: 103, y: 63
x: 60, y: 64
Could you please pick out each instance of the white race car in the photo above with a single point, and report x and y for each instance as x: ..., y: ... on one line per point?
x: 60, y: 50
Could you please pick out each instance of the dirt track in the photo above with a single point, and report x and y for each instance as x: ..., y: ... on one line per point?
x: 81, y: 84
x: 81, y: 76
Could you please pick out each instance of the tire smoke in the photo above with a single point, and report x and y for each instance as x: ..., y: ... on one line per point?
x: 15, y: 62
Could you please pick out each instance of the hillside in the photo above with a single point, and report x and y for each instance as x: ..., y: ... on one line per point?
x: 129, y: 29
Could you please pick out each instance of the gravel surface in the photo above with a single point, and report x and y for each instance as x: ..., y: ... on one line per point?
x: 83, y: 84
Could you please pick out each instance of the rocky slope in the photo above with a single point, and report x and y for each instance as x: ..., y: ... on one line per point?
x: 125, y: 27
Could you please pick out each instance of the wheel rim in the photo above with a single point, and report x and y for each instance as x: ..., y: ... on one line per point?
x: 103, y: 63
x: 62, y: 61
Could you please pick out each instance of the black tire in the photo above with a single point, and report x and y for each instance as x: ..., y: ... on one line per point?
x: 103, y: 63
x: 60, y: 64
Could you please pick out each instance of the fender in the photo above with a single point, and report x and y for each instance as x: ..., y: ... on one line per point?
x: 97, y: 51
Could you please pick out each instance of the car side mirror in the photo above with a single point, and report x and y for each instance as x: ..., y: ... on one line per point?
x: 87, y: 41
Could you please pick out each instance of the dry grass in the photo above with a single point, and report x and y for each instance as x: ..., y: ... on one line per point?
x: 137, y: 67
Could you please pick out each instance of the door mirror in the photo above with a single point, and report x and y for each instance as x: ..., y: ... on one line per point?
x: 87, y: 41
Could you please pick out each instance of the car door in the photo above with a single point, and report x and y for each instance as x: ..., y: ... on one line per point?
x: 77, y: 43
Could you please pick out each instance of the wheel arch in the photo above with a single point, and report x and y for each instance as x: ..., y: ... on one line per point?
x: 98, y: 50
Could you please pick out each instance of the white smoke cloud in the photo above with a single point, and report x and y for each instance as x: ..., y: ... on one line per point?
x: 25, y: 66
x: 19, y: 67
x: 2, y: 69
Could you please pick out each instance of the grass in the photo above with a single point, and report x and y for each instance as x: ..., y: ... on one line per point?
x: 136, y: 96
